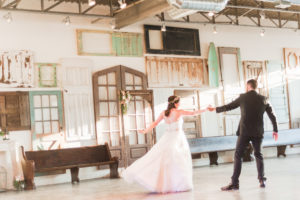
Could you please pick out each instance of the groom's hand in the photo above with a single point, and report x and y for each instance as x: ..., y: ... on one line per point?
x: 210, y: 108
x: 275, y: 136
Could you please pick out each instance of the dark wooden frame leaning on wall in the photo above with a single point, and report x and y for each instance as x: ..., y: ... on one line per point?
x: 14, y: 111
x: 171, y: 32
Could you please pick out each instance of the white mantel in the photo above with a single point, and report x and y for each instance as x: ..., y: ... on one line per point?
x: 10, y: 160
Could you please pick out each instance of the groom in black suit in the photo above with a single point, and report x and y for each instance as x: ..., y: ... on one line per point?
x: 251, y: 128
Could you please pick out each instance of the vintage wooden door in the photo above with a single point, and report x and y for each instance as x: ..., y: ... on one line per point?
x: 46, y: 119
x: 256, y: 70
x: 190, y: 101
x: 118, y: 129
x: 78, y: 99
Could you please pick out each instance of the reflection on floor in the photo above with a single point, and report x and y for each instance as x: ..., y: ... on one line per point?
x: 283, y: 184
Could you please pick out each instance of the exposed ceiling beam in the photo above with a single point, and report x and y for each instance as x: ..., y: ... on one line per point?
x: 139, y: 11
x: 54, y: 5
x: 263, y: 9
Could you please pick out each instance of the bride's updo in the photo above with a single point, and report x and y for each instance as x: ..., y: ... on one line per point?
x: 172, y: 100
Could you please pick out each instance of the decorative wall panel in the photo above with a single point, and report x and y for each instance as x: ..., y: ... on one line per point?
x: 47, y: 74
x: 176, y: 72
x: 16, y: 69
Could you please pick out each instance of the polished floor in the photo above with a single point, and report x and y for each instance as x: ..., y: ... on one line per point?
x: 283, y: 184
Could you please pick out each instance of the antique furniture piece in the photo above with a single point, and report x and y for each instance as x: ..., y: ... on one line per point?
x: 61, y: 159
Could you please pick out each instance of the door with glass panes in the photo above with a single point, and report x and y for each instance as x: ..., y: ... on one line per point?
x: 115, y: 127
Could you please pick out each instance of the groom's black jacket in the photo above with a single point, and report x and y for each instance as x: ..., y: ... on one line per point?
x: 253, y: 106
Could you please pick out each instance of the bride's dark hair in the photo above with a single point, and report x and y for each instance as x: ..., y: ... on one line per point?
x: 172, y: 100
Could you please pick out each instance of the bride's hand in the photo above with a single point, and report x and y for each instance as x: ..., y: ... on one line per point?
x: 142, y: 131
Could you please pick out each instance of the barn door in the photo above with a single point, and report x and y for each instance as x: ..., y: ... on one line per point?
x: 119, y: 129
x: 256, y: 70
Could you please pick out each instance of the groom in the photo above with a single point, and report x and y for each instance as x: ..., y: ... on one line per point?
x: 253, y: 106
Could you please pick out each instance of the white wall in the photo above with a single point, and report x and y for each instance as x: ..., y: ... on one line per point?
x: 51, y: 40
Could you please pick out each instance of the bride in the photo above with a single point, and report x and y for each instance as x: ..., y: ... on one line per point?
x: 167, y: 167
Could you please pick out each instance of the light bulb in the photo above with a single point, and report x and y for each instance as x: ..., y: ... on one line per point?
x: 92, y: 2
x: 67, y: 21
x: 215, y: 30
x: 262, y: 33
x: 211, y: 14
x: 163, y: 27
x: 8, y: 17
x: 122, y: 4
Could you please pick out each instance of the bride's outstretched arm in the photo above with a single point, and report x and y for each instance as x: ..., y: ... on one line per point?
x: 196, y: 112
x: 153, y: 124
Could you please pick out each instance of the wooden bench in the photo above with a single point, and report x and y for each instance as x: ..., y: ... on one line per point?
x: 213, y: 145
x: 61, y: 159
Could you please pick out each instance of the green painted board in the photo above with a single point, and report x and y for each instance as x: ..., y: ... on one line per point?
x: 213, y: 66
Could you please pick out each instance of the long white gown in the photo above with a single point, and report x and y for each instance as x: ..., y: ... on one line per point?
x: 167, y: 167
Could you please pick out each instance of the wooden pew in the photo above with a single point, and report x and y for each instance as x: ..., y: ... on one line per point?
x: 61, y: 159
x: 213, y: 145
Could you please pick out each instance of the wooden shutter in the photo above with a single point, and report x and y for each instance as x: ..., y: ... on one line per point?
x: 14, y: 111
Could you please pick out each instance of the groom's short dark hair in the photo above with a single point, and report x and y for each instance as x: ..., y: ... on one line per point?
x: 252, y: 83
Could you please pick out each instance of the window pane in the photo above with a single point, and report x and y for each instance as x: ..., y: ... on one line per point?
x: 139, y: 107
x: 105, y: 137
x: 129, y: 88
x: 38, y: 114
x: 38, y: 127
x: 128, y: 79
x: 102, y: 93
x: 114, y: 123
x: 132, y: 138
x: 104, y: 124
x: 53, y: 101
x: 55, y: 126
x: 113, y: 93
x: 45, y: 101
x: 47, y: 127
x: 137, y: 80
x: 113, y: 109
x: 102, y: 80
x: 54, y: 114
x: 46, y: 114
x: 112, y: 78
x: 103, y: 109
x: 37, y: 101
x: 132, y: 123
x: 140, y: 122
x: 130, y: 108
x: 141, y: 138
x: 115, y: 139
x: 138, y: 87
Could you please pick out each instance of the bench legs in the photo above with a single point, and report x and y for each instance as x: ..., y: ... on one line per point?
x: 281, y: 151
x: 213, y: 158
x: 74, y: 174
x: 114, y: 168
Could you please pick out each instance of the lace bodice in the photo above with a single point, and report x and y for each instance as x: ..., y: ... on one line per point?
x: 174, y: 126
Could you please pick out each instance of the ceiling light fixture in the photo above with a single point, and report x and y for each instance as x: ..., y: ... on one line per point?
x: 215, y: 30
x: 92, y: 2
x: 8, y: 17
x: 122, y: 4
x: 163, y: 27
x: 262, y: 32
x: 67, y: 21
x: 211, y: 13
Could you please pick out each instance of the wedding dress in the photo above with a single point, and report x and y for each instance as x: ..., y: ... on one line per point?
x: 167, y: 167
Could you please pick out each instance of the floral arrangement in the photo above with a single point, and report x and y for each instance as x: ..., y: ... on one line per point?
x: 125, y: 98
x: 4, y: 134
x: 19, y: 184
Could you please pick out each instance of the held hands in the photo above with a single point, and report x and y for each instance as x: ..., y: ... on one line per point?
x: 275, y: 136
x: 210, y: 108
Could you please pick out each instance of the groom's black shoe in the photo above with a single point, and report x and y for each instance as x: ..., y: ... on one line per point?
x: 262, y: 183
x: 231, y: 186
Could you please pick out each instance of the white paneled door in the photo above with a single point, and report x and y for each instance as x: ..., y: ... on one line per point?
x: 78, y: 100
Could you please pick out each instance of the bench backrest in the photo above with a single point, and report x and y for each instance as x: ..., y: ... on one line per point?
x: 225, y: 143
x: 70, y: 156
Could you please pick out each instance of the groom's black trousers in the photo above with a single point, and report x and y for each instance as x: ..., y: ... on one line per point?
x: 242, y: 143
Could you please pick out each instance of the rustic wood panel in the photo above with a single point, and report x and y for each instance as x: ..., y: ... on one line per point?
x: 16, y: 69
x: 14, y: 111
x: 176, y: 72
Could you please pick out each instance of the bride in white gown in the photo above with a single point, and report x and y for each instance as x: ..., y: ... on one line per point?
x: 167, y: 167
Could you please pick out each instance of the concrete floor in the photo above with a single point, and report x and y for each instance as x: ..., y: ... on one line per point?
x: 283, y: 183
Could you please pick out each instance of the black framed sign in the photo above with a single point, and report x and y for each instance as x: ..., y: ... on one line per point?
x: 178, y: 41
